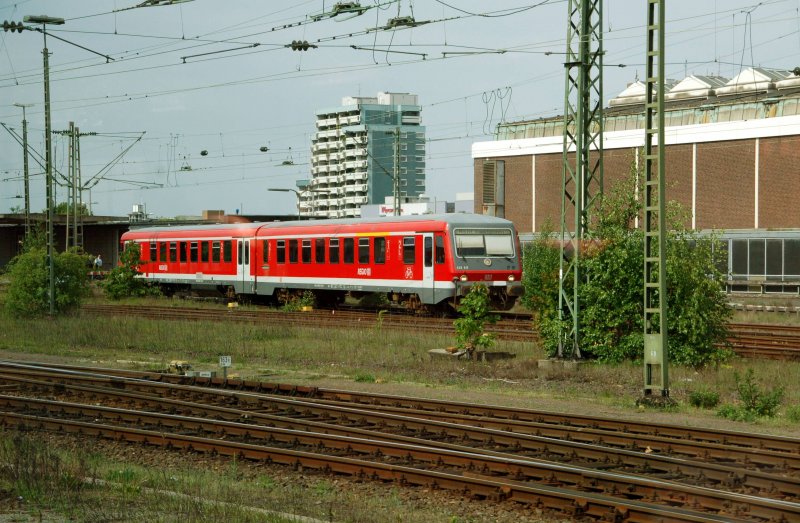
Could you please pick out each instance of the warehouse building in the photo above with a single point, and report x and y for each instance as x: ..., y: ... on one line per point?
x: 732, y: 161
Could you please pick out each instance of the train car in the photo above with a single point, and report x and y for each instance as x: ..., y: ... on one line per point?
x: 417, y: 261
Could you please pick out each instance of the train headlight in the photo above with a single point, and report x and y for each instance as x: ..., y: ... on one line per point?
x: 511, y: 277
x: 463, y: 277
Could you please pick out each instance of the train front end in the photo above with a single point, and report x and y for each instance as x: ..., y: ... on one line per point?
x: 488, y: 252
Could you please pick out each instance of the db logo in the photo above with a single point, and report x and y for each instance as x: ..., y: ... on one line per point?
x: 409, y: 273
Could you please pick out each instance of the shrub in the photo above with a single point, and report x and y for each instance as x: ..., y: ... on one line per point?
x: 760, y: 403
x: 611, y: 300
x: 704, y: 399
x: 475, y: 313
x: 294, y: 302
x: 793, y: 413
x: 28, y: 291
x: 122, y: 281
x: 754, y: 403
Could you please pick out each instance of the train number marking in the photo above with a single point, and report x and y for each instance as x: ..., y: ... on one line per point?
x: 409, y: 273
x: 365, y: 271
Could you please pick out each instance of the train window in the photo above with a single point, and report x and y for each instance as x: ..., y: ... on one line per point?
x: 264, y: 251
x: 162, y: 251
x: 239, y: 256
x: 227, y: 251
x: 193, y: 251
x: 306, y: 251
x: 292, y: 251
x: 203, y: 251
x: 215, y: 248
x: 183, y: 251
x: 363, y: 250
x: 428, y: 251
x: 379, y: 250
x: 173, y: 251
x: 484, y: 242
x: 153, y: 251
x: 439, y: 248
x: 349, y: 248
x: 319, y: 250
x: 333, y: 250
x: 409, y: 249
x: 280, y: 250
x: 247, y: 253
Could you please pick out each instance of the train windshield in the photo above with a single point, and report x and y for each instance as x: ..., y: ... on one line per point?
x: 484, y: 242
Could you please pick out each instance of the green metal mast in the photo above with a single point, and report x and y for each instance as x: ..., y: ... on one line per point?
x: 582, y: 172
x: 656, y: 376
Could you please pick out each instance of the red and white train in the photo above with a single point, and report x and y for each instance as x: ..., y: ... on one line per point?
x: 419, y: 261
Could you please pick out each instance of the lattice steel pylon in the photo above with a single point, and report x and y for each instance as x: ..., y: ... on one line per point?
x: 656, y: 375
x: 582, y: 174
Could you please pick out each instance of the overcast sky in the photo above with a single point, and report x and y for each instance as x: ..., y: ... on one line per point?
x: 215, y: 76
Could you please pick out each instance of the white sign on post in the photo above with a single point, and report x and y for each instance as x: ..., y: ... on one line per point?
x: 224, y: 361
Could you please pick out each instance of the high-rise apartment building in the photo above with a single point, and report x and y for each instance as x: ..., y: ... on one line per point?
x: 362, y: 152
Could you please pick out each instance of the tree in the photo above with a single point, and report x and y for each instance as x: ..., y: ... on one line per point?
x: 66, y: 208
x: 121, y: 281
x: 612, y: 297
x: 28, y: 291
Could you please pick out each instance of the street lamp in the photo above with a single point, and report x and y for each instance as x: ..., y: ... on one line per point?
x: 45, y: 20
x: 297, y: 193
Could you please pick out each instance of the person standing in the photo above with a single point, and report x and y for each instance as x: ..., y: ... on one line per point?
x: 98, y: 263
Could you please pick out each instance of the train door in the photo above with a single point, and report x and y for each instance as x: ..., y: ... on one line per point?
x: 427, y: 262
x: 243, y: 267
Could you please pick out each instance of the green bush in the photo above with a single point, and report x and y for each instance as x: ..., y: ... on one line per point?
x: 475, y: 313
x: 754, y: 402
x: 122, y: 281
x: 294, y: 302
x: 612, y: 295
x: 28, y: 291
x: 704, y: 399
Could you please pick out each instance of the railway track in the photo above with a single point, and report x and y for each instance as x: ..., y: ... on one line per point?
x: 778, y: 342
x: 479, y: 454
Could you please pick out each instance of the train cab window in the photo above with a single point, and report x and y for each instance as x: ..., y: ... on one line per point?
x: 162, y: 251
x: 333, y: 250
x: 319, y: 250
x: 264, y: 251
x: 280, y: 251
x: 306, y: 251
x: 439, y: 248
x: 428, y: 251
x: 349, y: 248
x: 153, y: 251
x: 363, y: 250
x: 227, y: 251
x: 215, y: 248
x: 173, y: 251
x: 292, y: 251
x: 182, y: 250
x: 484, y: 242
x: 204, y: 251
x: 409, y: 249
x: 379, y: 250
x: 193, y: 251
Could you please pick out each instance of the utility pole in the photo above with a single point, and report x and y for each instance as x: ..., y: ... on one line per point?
x: 25, y: 167
x: 396, y: 172
x: 582, y: 179
x: 656, y: 360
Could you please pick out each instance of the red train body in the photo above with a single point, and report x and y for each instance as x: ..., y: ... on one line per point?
x: 417, y: 260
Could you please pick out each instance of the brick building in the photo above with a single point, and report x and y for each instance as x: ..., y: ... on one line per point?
x: 732, y: 158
